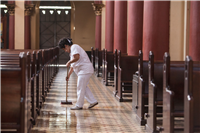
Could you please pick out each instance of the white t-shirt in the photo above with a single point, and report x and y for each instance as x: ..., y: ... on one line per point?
x: 83, y: 65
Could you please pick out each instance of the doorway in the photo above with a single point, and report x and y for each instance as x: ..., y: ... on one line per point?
x: 55, y: 24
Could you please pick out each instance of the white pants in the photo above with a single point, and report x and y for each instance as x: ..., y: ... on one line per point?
x: 83, y: 91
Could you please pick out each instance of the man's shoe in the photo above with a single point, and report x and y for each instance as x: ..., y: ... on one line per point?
x: 92, y: 105
x: 76, y: 108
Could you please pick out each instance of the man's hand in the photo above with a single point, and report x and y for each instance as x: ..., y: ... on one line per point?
x: 67, y: 78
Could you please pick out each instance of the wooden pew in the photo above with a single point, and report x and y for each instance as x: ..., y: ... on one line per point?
x: 103, y: 65
x: 93, y: 57
x: 155, y: 96
x: 155, y: 92
x: 141, y: 93
x: 109, y: 67
x: 98, y: 62
x: 38, y: 95
x: 38, y: 75
x: 173, y: 95
x: 16, y: 97
x: 191, y: 96
x: 115, y: 73
x: 31, y: 71
x: 135, y: 92
x: 49, y: 59
x: 127, y: 66
x: 34, y: 75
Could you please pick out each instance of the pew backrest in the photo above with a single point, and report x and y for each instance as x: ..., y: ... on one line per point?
x: 15, y: 96
x: 191, y: 96
x: 173, y: 84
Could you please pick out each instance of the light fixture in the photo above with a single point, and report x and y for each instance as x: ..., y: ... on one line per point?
x: 51, y: 11
x: 54, y: 7
x: 43, y: 11
x: 5, y: 11
x: 59, y: 12
x: 3, y: 6
x: 66, y: 12
x: 74, y: 28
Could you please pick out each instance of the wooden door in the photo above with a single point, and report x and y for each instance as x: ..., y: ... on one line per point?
x: 54, y: 25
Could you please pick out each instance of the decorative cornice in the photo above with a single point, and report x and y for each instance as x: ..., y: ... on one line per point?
x: 11, y: 9
x: 97, y: 8
x: 28, y: 9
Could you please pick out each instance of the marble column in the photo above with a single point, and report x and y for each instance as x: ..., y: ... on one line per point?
x: 120, y: 26
x: 28, y: 8
x: 109, y: 26
x: 97, y: 6
x: 194, y: 39
x: 135, y: 27
x: 11, y: 11
x: 156, y: 29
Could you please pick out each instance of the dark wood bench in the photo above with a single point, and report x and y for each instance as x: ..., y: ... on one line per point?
x: 39, y: 74
x: 109, y: 68
x: 98, y: 62
x: 49, y: 68
x: 16, y: 97
x: 127, y: 66
x: 155, y: 91
x: 116, y: 72
x: 135, y: 91
x: 103, y: 66
x: 173, y: 95
x: 93, y: 57
x: 191, y: 96
x: 31, y: 72
x: 140, y: 94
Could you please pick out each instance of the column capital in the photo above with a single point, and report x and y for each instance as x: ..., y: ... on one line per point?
x: 28, y: 9
x: 97, y: 8
x: 11, y: 9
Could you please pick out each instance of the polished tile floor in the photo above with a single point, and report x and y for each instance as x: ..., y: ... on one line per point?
x: 109, y: 116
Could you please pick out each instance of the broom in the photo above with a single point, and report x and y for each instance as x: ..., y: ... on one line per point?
x: 65, y: 101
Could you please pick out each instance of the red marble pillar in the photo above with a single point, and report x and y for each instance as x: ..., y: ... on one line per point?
x: 27, y: 32
x: 156, y: 28
x: 194, y: 40
x: 98, y: 32
x: 27, y: 35
x: 11, y: 32
x: 135, y: 27
x: 11, y: 11
x: 120, y: 26
x: 98, y: 27
x: 109, y: 26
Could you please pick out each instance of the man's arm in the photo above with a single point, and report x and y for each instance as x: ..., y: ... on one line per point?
x: 75, y: 59
x: 70, y: 72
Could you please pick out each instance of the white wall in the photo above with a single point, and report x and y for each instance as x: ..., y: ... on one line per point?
x: 176, y: 30
x: 84, y: 23
x: 19, y: 24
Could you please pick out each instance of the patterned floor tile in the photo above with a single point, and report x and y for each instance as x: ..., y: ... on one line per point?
x: 109, y: 116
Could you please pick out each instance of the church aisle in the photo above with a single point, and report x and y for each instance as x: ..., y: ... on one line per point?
x: 109, y: 116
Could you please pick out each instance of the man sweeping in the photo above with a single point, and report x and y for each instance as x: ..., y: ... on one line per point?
x: 81, y: 65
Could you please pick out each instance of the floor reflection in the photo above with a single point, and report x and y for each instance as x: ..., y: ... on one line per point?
x: 108, y: 116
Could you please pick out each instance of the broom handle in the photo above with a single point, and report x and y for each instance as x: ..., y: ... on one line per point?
x: 67, y: 84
